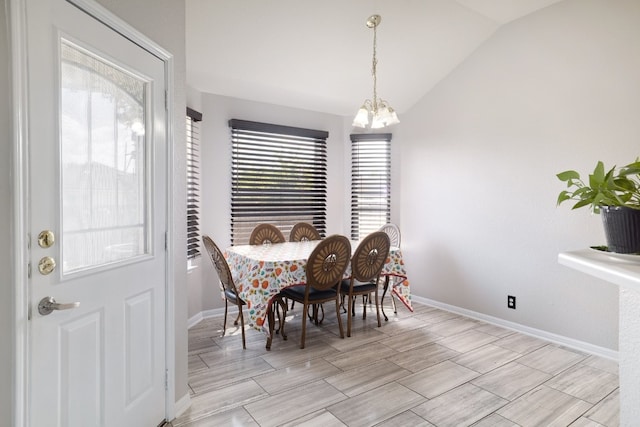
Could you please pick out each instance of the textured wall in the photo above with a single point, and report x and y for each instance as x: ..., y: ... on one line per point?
x: 555, y: 90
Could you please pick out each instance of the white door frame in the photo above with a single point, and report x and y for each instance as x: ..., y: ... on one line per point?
x: 21, y: 201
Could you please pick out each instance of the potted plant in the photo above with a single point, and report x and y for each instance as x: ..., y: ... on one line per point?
x: 616, y: 195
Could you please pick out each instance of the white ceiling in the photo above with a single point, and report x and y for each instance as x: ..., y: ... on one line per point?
x: 316, y: 55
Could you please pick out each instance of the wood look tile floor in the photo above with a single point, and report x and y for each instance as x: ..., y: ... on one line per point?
x: 426, y: 368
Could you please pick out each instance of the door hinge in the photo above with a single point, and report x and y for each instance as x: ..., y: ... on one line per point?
x: 166, y: 379
x: 166, y: 240
x: 29, y: 270
x: 166, y: 100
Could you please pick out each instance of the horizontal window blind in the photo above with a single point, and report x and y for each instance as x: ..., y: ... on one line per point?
x: 193, y: 183
x: 370, y: 183
x: 279, y: 176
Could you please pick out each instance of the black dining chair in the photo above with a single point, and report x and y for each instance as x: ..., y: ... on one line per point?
x: 366, y: 265
x: 325, y: 267
x: 227, y: 286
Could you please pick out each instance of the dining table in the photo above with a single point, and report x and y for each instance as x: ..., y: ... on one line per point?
x: 260, y: 272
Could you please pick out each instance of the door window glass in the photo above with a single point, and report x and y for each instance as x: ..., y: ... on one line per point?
x: 103, y: 157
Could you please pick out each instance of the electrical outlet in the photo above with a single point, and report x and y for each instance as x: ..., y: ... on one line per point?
x: 511, y: 302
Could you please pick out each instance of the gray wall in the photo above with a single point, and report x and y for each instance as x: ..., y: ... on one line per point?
x: 6, y: 281
x: 556, y: 90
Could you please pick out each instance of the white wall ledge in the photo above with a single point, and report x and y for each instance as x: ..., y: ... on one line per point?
x: 619, y: 271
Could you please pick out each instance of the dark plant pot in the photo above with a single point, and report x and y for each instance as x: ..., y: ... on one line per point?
x: 621, y: 229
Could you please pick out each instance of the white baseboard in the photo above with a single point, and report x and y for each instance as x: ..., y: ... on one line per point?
x: 182, y: 404
x: 537, y: 333
x: 194, y: 320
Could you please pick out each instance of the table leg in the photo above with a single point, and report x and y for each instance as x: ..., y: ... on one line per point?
x: 272, y: 321
x: 313, y: 314
x: 278, y: 304
x: 281, y: 320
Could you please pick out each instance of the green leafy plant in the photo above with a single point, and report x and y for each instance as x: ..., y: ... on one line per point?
x: 615, y: 187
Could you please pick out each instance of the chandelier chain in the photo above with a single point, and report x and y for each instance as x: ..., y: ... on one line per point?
x: 373, y: 71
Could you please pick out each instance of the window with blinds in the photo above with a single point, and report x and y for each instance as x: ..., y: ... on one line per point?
x: 278, y: 176
x: 193, y: 183
x: 370, y: 183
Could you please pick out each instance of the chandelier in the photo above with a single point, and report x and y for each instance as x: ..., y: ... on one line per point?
x: 376, y: 112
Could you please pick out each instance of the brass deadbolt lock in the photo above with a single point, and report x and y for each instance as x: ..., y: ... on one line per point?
x: 46, y: 265
x: 46, y: 239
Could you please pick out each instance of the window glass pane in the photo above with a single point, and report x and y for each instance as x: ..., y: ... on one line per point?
x: 102, y: 122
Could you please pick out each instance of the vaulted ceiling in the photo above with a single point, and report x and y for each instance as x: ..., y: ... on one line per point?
x: 316, y: 55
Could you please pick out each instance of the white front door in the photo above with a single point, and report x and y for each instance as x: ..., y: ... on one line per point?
x: 97, y: 218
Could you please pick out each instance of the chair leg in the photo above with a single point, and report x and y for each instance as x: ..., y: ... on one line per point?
x: 312, y: 314
x: 384, y: 292
x: 377, y: 308
x: 244, y: 343
x: 321, y: 307
x: 344, y: 310
x: 272, y: 321
x: 352, y: 303
x: 224, y: 325
x: 339, y: 316
x: 305, y: 311
x: 235, y: 323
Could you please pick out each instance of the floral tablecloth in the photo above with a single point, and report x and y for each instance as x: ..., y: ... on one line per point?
x: 260, y: 272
